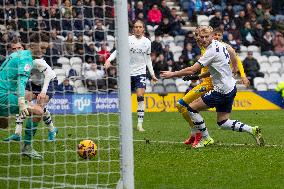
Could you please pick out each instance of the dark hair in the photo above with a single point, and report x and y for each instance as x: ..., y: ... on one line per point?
x: 39, y: 37
x: 218, y: 30
x: 139, y: 20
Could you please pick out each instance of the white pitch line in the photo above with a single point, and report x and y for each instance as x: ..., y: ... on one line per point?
x: 218, y: 144
x: 93, y: 186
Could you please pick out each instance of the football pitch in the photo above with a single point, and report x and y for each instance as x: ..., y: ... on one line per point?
x: 162, y: 161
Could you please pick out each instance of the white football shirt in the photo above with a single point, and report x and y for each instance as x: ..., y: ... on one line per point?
x: 217, y: 58
x: 139, y: 49
x: 41, y: 74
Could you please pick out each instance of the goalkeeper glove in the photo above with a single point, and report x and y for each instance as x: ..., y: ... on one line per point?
x: 23, y: 107
x: 190, y: 77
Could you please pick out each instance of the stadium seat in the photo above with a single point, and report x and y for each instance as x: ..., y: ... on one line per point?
x: 78, y: 83
x: 168, y: 39
x: 262, y: 59
x: 182, y: 88
x: 243, y: 49
x: 171, y: 88
x: 3, y: 28
x: 264, y: 67
x: 63, y: 60
x: 253, y: 48
x: 158, y: 88
x: 202, y: 18
x: 177, y: 49
x: 148, y: 89
x: 204, y: 23
x: 281, y: 79
x: 60, y: 78
x: 81, y: 90
x: 179, y: 38
x: 77, y: 68
x: 275, y: 75
x: 76, y: 60
x: 282, y: 59
x: 60, y: 72
x: 261, y: 87
x: 86, y: 39
x: 259, y: 80
x: 272, y: 69
x: 272, y: 83
x: 66, y: 68
x: 180, y: 82
x: 176, y: 56
x: 256, y: 55
x: 277, y: 65
x: 273, y: 59
x: 168, y: 81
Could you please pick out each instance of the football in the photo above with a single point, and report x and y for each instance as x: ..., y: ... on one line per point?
x: 87, y: 149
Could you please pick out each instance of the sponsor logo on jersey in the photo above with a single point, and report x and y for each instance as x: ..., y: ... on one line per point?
x: 27, y: 67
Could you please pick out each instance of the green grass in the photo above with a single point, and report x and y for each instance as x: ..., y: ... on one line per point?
x: 161, y: 160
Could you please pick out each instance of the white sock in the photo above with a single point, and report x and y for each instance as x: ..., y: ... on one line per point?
x: 19, y: 125
x: 198, y: 122
x: 47, y: 120
x: 140, y: 110
x: 235, y: 125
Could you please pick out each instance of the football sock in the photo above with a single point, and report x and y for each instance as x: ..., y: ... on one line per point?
x: 235, y: 125
x: 198, y: 122
x: 19, y: 125
x: 183, y: 109
x: 30, y: 131
x: 140, y: 110
x: 47, y: 119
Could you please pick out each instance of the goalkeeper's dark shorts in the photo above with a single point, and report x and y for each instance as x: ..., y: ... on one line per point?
x: 36, y: 89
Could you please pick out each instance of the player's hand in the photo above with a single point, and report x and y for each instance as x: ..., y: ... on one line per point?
x: 23, y: 107
x: 41, y: 97
x: 154, y: 79
x: 167, y: 74
x: 245, y: 81
x: 190, y: 77
x: 107, y: 64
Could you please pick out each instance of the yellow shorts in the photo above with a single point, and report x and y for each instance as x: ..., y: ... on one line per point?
x: 197, y: 92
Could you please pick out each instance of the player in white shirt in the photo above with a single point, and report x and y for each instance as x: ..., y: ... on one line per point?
x: 140, y: 49
x: 41, y: 86
x: 217, y: 58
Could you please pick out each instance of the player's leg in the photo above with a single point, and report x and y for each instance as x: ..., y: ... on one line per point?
x: 224, y: 121
x: 31, y: 128
x: 196, y: 92
x: 198, y: 121
x: 139, y: 83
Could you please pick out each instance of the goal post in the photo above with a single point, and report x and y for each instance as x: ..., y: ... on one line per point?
x: 126, y: 135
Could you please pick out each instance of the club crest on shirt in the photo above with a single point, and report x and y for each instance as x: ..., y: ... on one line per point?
x: 27, y: 67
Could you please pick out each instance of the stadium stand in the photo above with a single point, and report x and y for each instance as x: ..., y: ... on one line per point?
x: 80, y: 36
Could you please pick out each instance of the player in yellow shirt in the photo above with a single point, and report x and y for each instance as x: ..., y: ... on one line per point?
x: 205, y: 86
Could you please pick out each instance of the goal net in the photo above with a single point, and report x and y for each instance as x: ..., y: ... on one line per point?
x: 86, y: 104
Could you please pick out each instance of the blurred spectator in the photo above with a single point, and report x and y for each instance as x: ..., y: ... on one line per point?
x: 176, y: 23
x: 181, y: 63
x: 267, y: 22
x: 55, y: 19
x: 229, y: 10
x: 69, y: 45
x: 33, y: 9
x: 154, y: 15
x: 251, y: 67
x: 79, y: 46
x: 195, y: 7
x: 111, y: 79
x: 65, y: 87
x: 249, y: 11
x: 94, y: 77
x: 27, y: 24
x: 67, y: 9
x: 258, y: 33
x: 259, y: 11
x: 20, y: 11
x: 235, y: 32
x: 140, y: 9
x: 233, y: 42
x: 278, y: 43
x: 189, y: 53
x: 165, y: 10
x: 164, y: 28
x: 47, y: 3
x: 99, y: 34
x: 216, y: 21
x: 247, y: 35
x: 240, y: 20
x: 4, y: 45
x: 189, y: 38
x: 51, y: 56
x: 103, y: 53
x: 156, y: 45
x: 159, y: 64
x: 90, y: 52
x: 226, y: 21
x: 56, y: 41
x: 267, y: 44
x: 168, y: 54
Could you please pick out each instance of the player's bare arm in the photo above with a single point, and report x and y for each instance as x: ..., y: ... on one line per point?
x: 233, y: 59
x: 186, y: 71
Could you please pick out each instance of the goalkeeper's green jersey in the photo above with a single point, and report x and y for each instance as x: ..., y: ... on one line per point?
x: 15, y: 72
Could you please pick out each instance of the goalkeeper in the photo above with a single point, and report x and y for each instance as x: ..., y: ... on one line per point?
x: 14, y: 74
x: 41, y: 73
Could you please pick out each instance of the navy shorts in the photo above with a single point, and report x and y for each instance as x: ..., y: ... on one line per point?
x: 138, y: 81
x: 36, y: 89
x: 222, y: 102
